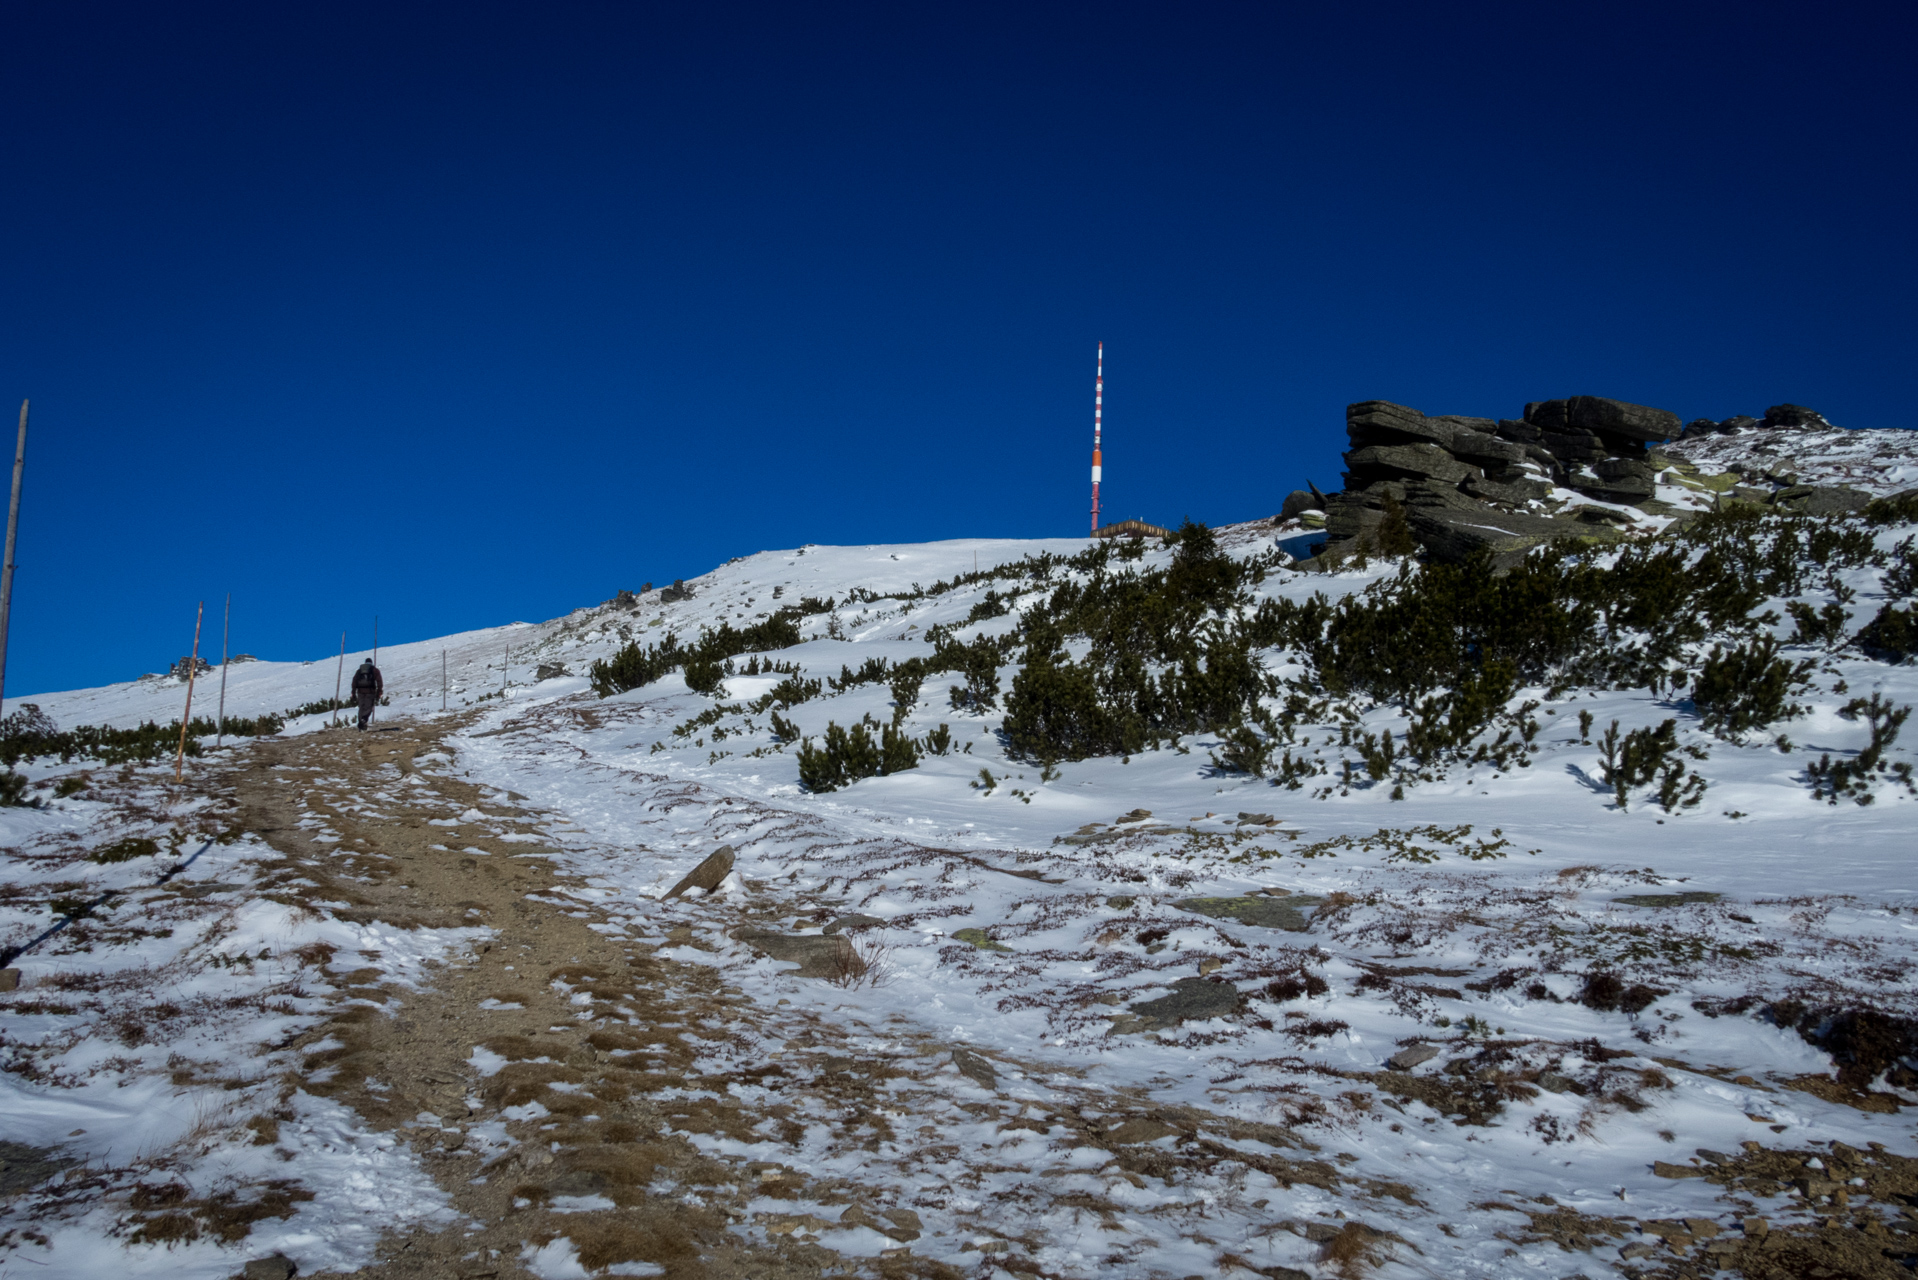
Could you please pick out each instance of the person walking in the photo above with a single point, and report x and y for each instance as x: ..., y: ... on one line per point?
x: 367, y: 687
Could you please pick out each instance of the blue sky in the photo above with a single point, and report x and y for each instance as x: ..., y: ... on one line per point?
x: 460, y: 314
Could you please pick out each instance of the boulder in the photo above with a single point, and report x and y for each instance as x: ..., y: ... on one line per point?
x: 22, y: 1166
x: 9, y: 979
x: 707, y: 875
x: 1737, y: 422
x: 1298, y: 502
x: 277, y: 1267
x: 1459, y: 422
x: 1821, y: 500
x: 1350, y: 519
x: 1688, y: 898
x: 1388, y: 461
x: 1794, y: 415
x: 1618, y: 418
x: 1486, y: 450
x: 817, y: 955
x: 1615, y: 418
x: 1570, y: 446
x: 1268, y: 911
x: 1451, y: 536
x: 975, y: 1068
x: 1516, y: 494
x: 978, y: 938
x: 1382, y: 422
x: 1410, y: 1056
x: 1700, y: 427
x: 1620, y: 480
x: 1519, y: 432
x: 551, y: 671
x: 1193, y: 999
x: 1430, y: 493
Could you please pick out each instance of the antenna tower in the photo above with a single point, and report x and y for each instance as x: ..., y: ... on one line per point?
x: 1098, y: 411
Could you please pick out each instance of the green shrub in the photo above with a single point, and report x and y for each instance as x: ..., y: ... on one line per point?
x: 1891, y: 636
x: 1395, y: 531
x: 704, y: 673
x: 1643, y: 755
x: 632, y: 666
x: 979, y: 663
x: 1747, y: 687
x: 13, y: 791
x: 1831, y: 779
x: 125, y: 850
x: 1899, y: 508
x: 28, y: 734
x: 848, y: 755
x: 1824, y: 626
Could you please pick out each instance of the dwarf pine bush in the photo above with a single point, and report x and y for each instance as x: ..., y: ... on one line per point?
x: 847, y: 755
x: 1747, y: 687
x: 704, y: 663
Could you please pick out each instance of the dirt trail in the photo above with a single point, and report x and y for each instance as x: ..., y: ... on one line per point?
x: 617, y: 1078
x: 600, y: 1138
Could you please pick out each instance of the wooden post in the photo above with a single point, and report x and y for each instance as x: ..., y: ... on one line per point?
x: 337, y: 676
x: 13, y: 529
x: 375, y: 713
x: 226, y: 633
x: 186, y: 717
x: 505, y: 663
x: 442, y: 679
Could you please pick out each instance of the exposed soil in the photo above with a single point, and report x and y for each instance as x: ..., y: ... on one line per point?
x: 621, y: 1071
x: 605, y: 1136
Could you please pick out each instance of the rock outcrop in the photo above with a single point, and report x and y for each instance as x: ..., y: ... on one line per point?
x: 1446, y: 487
x: 1453, y: 485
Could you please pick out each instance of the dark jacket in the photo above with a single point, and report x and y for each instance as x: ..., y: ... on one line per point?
x: 367, y: 680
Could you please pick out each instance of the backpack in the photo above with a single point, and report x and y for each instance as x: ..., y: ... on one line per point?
x: 365, y: 678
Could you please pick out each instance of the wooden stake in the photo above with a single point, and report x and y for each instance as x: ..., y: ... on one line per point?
x: 186, y: 717
x: 375, y: 713
x: 442, y: 679
x: 226, y: 633
x: 13, y: 529
x: 337, y: 676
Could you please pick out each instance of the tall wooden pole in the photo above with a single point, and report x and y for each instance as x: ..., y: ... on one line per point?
x: 13, y: 529
x: 442, y: 679
x: 375, y: 713
x: 186, y: 717
x: 337, y: 677
x: 226, y: 634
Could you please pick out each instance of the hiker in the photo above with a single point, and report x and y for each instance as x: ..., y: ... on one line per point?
x: 367, y: 687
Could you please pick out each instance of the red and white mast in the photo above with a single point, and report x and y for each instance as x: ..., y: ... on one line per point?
x: 1098, y: 410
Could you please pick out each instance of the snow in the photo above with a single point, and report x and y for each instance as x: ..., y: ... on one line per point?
x: 1814, y: 898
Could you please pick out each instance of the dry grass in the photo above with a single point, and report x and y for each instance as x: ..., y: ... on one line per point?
x: 863, y: 964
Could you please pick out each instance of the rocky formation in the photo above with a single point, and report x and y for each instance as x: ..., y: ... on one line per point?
x: 1581, y: 468
x: 1454, y: 484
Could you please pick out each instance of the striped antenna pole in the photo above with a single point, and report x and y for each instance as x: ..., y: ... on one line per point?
x: 1098, y: 413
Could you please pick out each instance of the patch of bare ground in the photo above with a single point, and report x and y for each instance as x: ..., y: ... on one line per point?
x: 621, y: 1075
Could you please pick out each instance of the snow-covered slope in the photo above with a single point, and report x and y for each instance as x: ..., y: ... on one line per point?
x: 1470, y: 917
x: 1878, y: 462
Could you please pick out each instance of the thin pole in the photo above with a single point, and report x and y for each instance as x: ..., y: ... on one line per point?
x: 505, y: 664
x: 179, y: 761
x: 1098, y: 412
x: 375, y: 713
x: 13, y: 529
x: 442, y: 679
x: 226, y: 632
x: 337, y: 676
